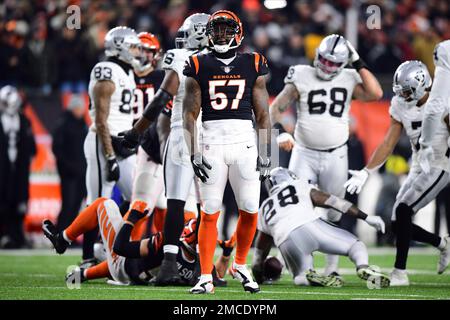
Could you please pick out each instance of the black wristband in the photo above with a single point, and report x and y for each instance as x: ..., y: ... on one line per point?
x: 278, y: 126
x: 361, y: 215
x: 359, y: 64
x: 122, y: 244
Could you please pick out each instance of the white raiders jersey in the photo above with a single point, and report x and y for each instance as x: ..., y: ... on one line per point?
x: 120, y: 111
x: 411, y: 116
x: 323, y: 107
x: 175, y: 60
x: 287, y: 209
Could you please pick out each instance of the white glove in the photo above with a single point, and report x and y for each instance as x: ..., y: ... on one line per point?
x: 357, y: 181
x: 424, y: 157
x: 354, y: 56
x: 376, y: 222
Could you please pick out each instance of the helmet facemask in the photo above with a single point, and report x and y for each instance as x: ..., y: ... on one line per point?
x: 222, y: 34
x: 327, y: 69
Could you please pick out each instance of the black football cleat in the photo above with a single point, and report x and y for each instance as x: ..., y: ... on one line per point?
x: 168, y: 275
x: 54, y: 236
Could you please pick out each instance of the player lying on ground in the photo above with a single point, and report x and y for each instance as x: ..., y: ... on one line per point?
x: 412, y: 83
x: 128, y: 262
x: 288, y: 219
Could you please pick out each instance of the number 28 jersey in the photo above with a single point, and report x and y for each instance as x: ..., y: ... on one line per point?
x: 323, y: 107
x: 287, y: 209
x: 120, y: 110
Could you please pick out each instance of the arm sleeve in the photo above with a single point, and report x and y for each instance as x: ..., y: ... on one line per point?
x: 123, y: 246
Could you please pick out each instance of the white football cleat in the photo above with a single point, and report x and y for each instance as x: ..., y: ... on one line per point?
x: 241, y: 273
x: 203, y: 287
x: 399, y: 278
x: 444, y: 258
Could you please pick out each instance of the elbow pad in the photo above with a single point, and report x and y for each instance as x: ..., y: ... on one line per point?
x: 160, y: 100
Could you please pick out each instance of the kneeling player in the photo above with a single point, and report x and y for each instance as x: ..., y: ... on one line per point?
x: 128, y: 262
x: 288, y: 218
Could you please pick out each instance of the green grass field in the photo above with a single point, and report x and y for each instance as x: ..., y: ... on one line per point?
x: 40, y: 275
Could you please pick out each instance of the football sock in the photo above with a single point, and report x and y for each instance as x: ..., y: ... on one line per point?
x: 98, y: 271
x: 422, y: 235
x: 245, y: 232
x: 404, y: 234
x: 174, y: 221
x: 207, y: 237
x: 159, y: 216
x: 358, y: 254
x: 85, y: 221
x: 332, y: 262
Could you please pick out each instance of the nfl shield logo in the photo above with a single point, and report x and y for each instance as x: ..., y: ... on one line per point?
x: 227, y: 69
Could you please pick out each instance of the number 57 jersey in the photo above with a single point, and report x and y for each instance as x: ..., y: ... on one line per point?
x: 120, y: 116
x: 289, y: 207
x: 323, y: 107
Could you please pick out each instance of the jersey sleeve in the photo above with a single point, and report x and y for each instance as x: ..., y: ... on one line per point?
x: 261, y: 65
x: 174, y: 60
x: 191, y: 67
x: 441, y: 55
x: 356, y: 77
x: 261, y: 226
x: 394, y: 111
x: 290, y: 75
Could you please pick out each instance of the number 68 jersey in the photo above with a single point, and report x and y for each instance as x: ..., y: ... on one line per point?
x: 323, y: 107
x: 288, y: 208
x: 120, y: 110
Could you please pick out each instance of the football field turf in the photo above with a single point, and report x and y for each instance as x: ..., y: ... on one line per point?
x: 39, y: 274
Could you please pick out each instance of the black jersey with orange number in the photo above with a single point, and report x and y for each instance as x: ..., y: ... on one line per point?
x: 146, y: 88
x: 226, y: 88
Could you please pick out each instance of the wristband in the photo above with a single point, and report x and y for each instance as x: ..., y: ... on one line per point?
x: 279, y: 127
x: 361, y: 215
x: 359, y: 64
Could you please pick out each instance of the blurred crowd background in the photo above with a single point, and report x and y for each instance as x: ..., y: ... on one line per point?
x: 49, y: 63
x: 41, y: 54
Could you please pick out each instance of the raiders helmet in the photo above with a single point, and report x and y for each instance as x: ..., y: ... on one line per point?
x: 331, y: 56
x: 411, y: 80
x: 118, y: 43
x: 278, y: 176
x: 192, y: 34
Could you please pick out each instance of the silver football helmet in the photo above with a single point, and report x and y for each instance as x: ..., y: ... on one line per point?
x: 119, y: 42
x: 331, y: 56
x: 411, y: 80
x: 278, y: 176
x: 192, y: 34
x: 10, y: 100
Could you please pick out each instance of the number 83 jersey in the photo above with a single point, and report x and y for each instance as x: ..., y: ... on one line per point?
x: 120, y: 116
x: 323, y: 107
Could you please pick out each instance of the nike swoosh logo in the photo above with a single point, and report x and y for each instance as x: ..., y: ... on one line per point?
x: 248, y: 147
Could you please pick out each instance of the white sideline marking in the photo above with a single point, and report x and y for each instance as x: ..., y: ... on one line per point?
x: 300, y: 292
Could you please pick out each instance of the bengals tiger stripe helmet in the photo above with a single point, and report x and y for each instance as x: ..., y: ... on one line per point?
x: 224, y: 31
x: 149, y: 43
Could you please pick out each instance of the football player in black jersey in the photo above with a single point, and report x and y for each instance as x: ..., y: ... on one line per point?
x: 230, y: 90
x: 128, y: 261
x: 148, y: 182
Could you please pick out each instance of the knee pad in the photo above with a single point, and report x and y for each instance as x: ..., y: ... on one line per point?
x: 249, y: 205
x: 211, y: 206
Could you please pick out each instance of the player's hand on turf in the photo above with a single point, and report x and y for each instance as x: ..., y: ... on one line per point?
x: 130, y: 139
x: 258, y: 273
x: 113, y: 169
x: 200, y: 166
x: 263, y: 166
x: 425, y: 156
x: 285, y: 141
x: 376, y: 222
x: 357, y: 181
